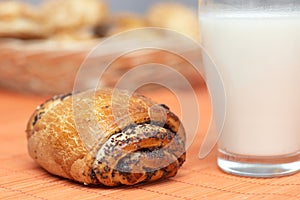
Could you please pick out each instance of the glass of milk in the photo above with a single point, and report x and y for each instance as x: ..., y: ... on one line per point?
x: 255, y: 45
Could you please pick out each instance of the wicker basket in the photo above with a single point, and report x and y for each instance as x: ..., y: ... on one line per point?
x: 50, y: 67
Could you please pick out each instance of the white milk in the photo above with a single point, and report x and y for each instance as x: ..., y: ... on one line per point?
x: 258, y: 56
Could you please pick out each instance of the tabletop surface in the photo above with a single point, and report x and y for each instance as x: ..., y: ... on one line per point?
x: 22, y: 178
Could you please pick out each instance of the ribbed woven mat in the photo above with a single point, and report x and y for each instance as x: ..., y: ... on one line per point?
x: 21, y: 178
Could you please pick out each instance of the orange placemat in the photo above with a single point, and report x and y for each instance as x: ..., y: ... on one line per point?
x: 21, y: 178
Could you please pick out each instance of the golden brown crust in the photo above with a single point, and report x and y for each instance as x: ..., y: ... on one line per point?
x: 71, y: 17
x: 20, y: 20
x: 54, y: 18
x: 126, y: 149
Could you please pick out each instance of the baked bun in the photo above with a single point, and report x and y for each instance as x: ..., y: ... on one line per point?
x: 123, y: 140
x: 21, y: 20
x: 53, y: 18
x: 176, y: 17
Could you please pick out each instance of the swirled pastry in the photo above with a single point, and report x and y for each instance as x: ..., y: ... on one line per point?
x: 122, y: 139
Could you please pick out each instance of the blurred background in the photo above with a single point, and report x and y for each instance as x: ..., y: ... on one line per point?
x: 139, y: 6
x: 44, y: 43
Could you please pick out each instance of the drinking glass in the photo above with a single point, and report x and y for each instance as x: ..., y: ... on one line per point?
x: 255, y: 45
